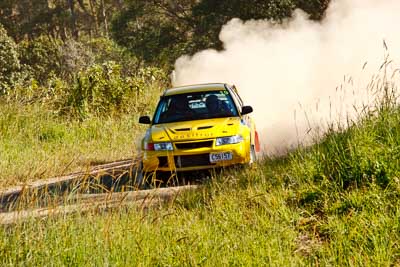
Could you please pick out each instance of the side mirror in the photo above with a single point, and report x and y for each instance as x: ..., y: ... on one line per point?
x: 144, y: 120
x: 246, y: 110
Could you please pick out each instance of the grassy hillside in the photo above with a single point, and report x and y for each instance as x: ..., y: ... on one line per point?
x: 37, y: 142
x: 335, y: 203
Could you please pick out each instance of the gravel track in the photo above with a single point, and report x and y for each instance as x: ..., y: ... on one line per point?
x: 78, y: 192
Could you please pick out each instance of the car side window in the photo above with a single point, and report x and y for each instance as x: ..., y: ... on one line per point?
x: 162, y: 108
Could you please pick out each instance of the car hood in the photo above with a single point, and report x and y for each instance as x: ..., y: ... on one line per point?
x: 192, y: 130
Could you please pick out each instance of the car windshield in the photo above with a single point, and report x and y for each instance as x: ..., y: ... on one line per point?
x: 195, y: 106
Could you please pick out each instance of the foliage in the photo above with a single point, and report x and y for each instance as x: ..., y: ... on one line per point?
x: 154, y: 32
x: 43, y: 56
x: 275, y: 214
x: 46, y: 57
x: 36, y: 143
x: 9, y: 62
x: 147, y: 36
x: 40, y: 137
x: 62, y: 19
x: 365, y: 153
x: 101, y: 89
x: 315, y: 8
x: 105, y: 49
x: 334, y: 203
x: 97, y: 89
x: 75, y: 58
x: 158, y: 31
x: 212, y: 15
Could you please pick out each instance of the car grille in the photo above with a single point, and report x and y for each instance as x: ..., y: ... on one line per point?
x: 192, y: 160
x: 193, y: 145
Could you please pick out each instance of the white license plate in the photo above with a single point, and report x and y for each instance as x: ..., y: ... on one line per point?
x: 214, y: 157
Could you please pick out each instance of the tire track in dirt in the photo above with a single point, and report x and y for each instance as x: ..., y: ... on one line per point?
x: 142, y: 199
x: 77, y: 193
x: 58, y: 185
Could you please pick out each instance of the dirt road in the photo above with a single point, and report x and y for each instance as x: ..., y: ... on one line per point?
x: 100, y: 188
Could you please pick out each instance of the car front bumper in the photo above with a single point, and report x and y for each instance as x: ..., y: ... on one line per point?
x: 194, y: 159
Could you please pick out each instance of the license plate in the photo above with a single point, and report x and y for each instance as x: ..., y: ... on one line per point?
x: 214, y: 157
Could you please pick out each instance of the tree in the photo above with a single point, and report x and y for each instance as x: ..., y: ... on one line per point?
x: 159, y: 31
x: 156, y: 31
x: 211, y: 15
x: 42, y: 56
x: 9, y: 63
x: 315, y: 8
x: 26, y: 19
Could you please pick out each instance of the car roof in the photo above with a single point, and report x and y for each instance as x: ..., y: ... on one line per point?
x: 195, y: 88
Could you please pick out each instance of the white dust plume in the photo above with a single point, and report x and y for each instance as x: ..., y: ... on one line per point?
x: 301, y: 75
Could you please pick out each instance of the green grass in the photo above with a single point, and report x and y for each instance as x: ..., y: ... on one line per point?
x: 246, y: 218
x: 37, y: 143
x: 334, y: 203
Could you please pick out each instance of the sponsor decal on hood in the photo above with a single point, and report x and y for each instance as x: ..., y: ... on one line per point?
x: 190, y: 130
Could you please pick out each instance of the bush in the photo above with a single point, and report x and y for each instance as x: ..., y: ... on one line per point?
x: 46, y: 57
x: 9, y: 63
x: 96, y: 89
x: 102, y: 90
x: 42, y: 57
x: 105, y: 49
x: 76, y: 57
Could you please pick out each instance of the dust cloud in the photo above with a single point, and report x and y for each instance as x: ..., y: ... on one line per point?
x: 301, y: 76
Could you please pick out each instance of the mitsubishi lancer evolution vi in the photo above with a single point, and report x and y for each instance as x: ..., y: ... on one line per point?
x: 199, y: 127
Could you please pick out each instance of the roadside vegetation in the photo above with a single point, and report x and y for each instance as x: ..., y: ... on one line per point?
x: 69, y: 105
x: 62, y: 126
x: 333, y: 203
x: 71, y: 91
x: 75, y: 75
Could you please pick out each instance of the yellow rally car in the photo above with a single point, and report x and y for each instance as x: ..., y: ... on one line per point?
x: 199, y: 127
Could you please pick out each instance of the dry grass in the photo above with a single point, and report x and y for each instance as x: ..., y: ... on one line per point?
x: 37, y: 143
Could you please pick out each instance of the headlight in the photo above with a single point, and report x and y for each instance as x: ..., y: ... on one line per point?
x: 163, y: 146
x: 229, y: 140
